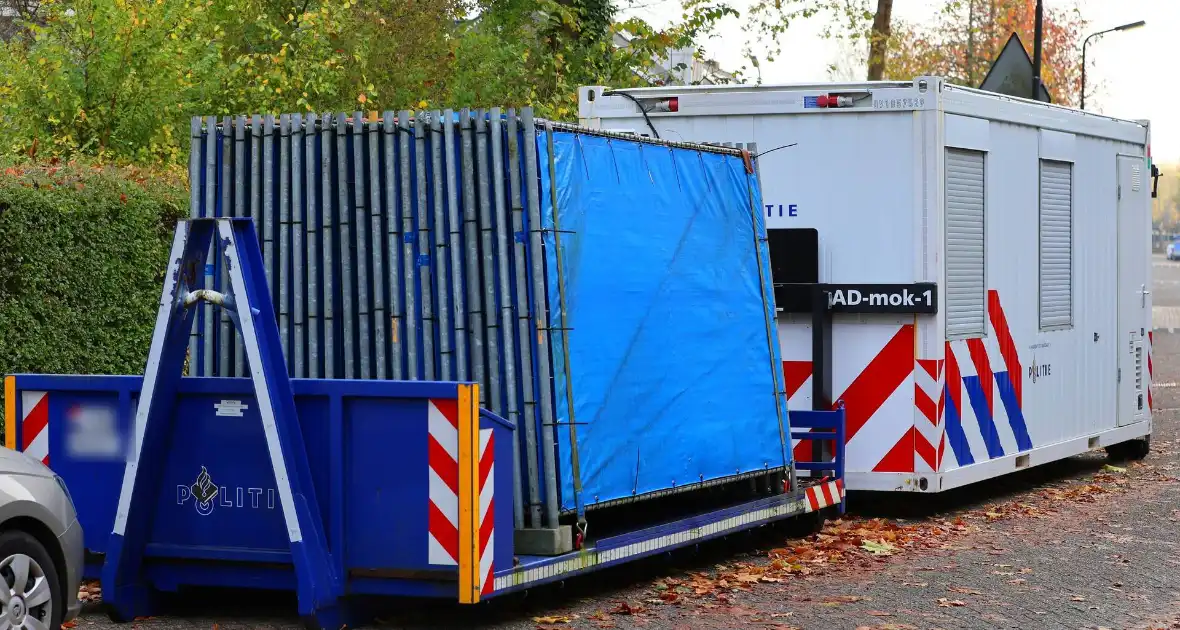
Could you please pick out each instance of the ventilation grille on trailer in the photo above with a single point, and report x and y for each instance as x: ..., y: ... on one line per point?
x: 966, y: 308
x: 1056, y: 227
x: 1139, y: 367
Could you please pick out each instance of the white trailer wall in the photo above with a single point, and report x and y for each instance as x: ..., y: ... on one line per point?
x: 1056, y: 383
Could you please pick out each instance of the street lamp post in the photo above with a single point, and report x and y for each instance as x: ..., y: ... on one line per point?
x: 1125, y: 27
x: 1037, y: 36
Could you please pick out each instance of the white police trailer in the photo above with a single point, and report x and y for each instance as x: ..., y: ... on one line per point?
x: 967, y: 273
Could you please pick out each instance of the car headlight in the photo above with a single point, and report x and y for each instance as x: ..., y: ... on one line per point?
x: 62, y: 484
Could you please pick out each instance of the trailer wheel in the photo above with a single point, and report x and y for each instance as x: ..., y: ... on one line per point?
x: 38, y: 600
x: 1131, y: 450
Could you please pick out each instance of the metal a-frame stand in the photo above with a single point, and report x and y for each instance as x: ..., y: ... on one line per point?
x: 125, y: 587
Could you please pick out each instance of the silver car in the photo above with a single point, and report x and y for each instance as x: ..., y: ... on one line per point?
x: 41, y: 548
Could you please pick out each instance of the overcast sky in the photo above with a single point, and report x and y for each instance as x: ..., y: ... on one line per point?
x: 1125, y: 63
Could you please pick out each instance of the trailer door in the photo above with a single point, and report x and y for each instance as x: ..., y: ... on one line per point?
x: 1132, y: 289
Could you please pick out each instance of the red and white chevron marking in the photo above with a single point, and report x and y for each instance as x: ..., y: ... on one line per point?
x: 872, y: 378
x: 35, y: 425
x: 1150, y: 343
x: 824, y: 495
x: 487, y: 509
x: 929, y: 436
x: 443, y: 460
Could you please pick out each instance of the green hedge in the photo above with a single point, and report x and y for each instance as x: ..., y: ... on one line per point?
x: 82, y: 256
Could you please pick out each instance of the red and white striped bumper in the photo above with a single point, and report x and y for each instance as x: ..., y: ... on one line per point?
x: 824, y: 495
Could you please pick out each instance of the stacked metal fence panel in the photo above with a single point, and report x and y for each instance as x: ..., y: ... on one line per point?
x: 397, y: 247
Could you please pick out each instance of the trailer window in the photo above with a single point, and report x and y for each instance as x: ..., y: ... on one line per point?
x: 966, y: 303
x: 1056, y: 246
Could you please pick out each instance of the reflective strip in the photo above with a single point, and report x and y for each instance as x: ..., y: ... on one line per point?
x: 443, y: 469
x: 10, y: 412
x: 469, y: 548
x: 592, y: 558
x: 487, y: 509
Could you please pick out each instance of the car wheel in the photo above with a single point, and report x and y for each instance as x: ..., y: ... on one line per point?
x: 31, y: 592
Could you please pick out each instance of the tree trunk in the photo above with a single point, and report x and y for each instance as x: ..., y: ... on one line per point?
x: 970, y: 60
x: 879, y: 39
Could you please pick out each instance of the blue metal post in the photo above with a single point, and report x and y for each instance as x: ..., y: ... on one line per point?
x: 319, y: 586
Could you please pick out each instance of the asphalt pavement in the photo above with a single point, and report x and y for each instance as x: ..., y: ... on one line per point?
x: 1083, y: 543
x: 1165, y: 312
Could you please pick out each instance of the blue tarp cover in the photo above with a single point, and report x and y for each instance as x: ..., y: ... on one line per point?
x: 665, y: 292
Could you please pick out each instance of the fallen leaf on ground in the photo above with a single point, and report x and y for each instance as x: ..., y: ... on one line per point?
x: 552, y: 620
x: 1078, y: 598
x: 879, y: 613
x: 878, y: 547
x: 947, y: 603
x: 627, y: 609
x: 1117, y: 469
x: 964, y: 590
x: 844, y: 599
x: 1026, y: 571
x: 1017, y: 581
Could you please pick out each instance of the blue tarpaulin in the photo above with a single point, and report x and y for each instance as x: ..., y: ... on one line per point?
x: 666, y: 361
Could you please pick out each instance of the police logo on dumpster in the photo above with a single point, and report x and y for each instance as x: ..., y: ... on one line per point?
x: 204, y: 492
x: 206, y: 495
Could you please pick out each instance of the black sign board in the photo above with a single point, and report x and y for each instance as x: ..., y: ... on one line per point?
x: 1012, y: 73
x: 917, y: 298
x: 883, y: 298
